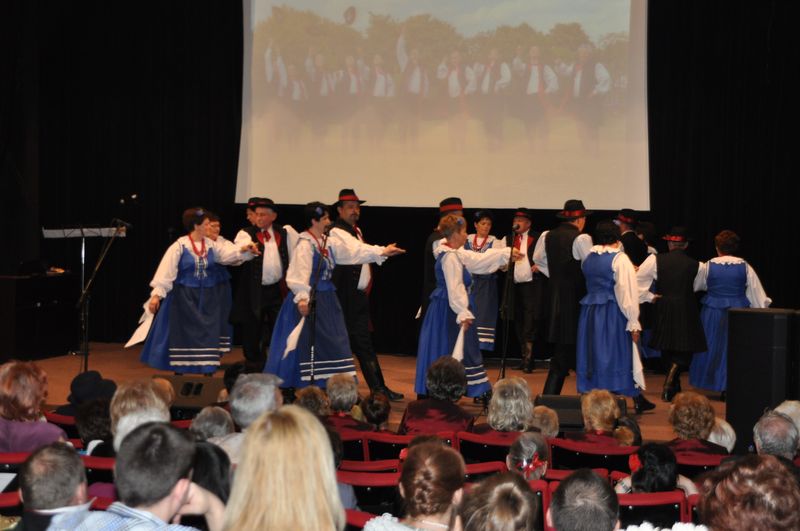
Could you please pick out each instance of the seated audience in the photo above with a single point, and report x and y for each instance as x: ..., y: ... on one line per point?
x: 93, y: 422
x: 212, y: 470
x: 252, y: 396
x: 52, y: 481
x: 692, y: 418
x: 286, y: 478
x: 654, y: 469
x: 446, y: 382
x: 775, y: 434
x: 790, y: 408
x: 133, y: 396
x: 545, y: 420
x: 722, y: 434
x: 499, y: 503
x: 212, y: 421
x: 510, y: 410
x: 85, y: 387
x: 314, y: 400
x: 529, y: 456
x: 628, y: 432
x: 376, y: 408
x: 23, y: 391
x: 583, y: 502
x: 229, y: 378
x: 346, y: 492
x: 343, y: 397
x: 431, y: 484
x: 129, y: 422
x: 600, y: 413
x: 152, y: 474
x: 754, y: 492
x: 165, y: 390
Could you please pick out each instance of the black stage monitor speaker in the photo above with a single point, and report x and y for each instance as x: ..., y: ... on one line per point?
x: 762, y: 369
x: 194, y: 392
x: 568, y: 409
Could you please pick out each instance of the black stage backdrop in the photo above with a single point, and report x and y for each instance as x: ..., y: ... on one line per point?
x: 101, y: 100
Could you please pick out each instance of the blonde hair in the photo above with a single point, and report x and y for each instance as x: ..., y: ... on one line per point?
x: 546, y: 419
x: 600, y: 410
x: 134, y: 396
x: 164, y: 389
x: 286, y: 477
x: 691, y: 415
x: 451, y: 224
x: 511, y: 408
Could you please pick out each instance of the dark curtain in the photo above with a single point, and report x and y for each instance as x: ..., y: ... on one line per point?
x: 145, y: 98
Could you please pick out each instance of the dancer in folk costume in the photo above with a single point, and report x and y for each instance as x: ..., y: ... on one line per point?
x: 608, y: 326
x: 448, y: 326
x: 729, y: 282
x: 190, y: 301
x: 484, y: 287
x: 310, y: 269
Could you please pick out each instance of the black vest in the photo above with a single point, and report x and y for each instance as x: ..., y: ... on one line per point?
x: 567, y: 285
x: 533, y: 237
x: 345, y: 277
x: 677, y: 314
x: 247, y: 303
x: 676, y: 272
x: 635, y: 248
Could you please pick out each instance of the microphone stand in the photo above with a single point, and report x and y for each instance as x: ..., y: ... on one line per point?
x: 507, y: 309
x: 83, y: 301
x: 312, y: 305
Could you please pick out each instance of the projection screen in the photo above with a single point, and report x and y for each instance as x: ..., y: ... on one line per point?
x: 504, y: 103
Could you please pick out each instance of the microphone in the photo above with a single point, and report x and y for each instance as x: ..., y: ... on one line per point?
x: 130, y: 199
x: 515, y: 227
x: 121, y: 223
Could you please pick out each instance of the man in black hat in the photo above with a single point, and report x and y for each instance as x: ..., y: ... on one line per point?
x: 353, y: 283
x: 559, y: 253
x: 529, y: 289
x: 633, y: 246
x: 678, y: 331
x: 260, y: 293
x: 450, y: 205
x: 86, y: 386
x: 250, y: 210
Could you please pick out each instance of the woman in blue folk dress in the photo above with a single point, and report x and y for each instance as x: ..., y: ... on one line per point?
x: 484, y: 287
x: 608, y: 325
x: 191, y: 301
x: 729, y: 282
x: 311, y: 264
x: 451, y: 309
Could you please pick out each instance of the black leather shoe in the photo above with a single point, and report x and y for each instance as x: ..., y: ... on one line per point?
x: 391, y: 395
x: 641, y: 404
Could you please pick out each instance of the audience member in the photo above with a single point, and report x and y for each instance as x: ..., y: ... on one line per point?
x: 503, y: 502
x: 529, y: 456
x: 343, y: 396
x: 129, y: 422
x: 52, y: 481
x: 545, y: 420
x: 654, y: 469
x: 212, y: 470
x: 229, y: 378
x: 583, y: 502
x: 133, y: 396
x: 446, y: 382
x: 791, y: 408
x: 86, y: 386
x: 431, y: 484
x: 164, y: 389
x: 510, y: 410
x: 252, y: 396
x: 286, y: 478
x: 212, y: 421
x: 93, y: 422
x: 346, y: 492
x: 628, y: 432
x: 314, y: 400
x: 722, y: 434
x: 692, y: 418
x: 23, y: 391
x: 775, y: 434
x: 754, y: 492
x: 376, y: 408
x: 600, y: 413
x: 152, y: 474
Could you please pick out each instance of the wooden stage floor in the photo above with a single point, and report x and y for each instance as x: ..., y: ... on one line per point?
x: 119, y: 364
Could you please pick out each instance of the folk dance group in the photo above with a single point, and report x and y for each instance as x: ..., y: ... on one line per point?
x: 302, y: 300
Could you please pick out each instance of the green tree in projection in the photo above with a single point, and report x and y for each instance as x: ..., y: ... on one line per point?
x: 563, y: 41
x: 508, y: 40
x: 381, y: 38
x: 612, y: 51
x: 434, y: 38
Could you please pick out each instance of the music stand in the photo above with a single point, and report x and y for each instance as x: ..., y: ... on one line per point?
x: 111, y: 233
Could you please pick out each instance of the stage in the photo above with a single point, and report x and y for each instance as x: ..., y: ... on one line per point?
x: 120, y: 364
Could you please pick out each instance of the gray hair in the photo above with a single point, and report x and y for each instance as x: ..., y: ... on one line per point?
x: 511, y: 408
x: 775, y: 434
x: 50, y: 477
x: 790, y: 408
x: 525, y: 447
x: 131, y: 421
x: 723, y: 434
x: 252, y: 396
x: 212, y: 421
x: 342, y: 392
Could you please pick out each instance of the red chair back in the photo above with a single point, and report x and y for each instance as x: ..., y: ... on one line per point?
x: 542, y: 491
x: 357, y: 519
x: 662, y: 509
x: 693, y: 464
x: 566, y: 454
x: 101, y: 503
x: 554, y: 474
x: 10, y: 499
x: 183, y: 424
x: 61, y: 420
x: 376, y: 493
x: 476, y: 472
x: 384, y: 465
x: 482, y: 448
x: 382, y: 445
x: 354, y: 444
x: 98, y: 469
x: 692, y: 512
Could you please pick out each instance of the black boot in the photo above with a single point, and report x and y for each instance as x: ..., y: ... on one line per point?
x: 374, y: 377
x: 672, y: 384
x: 391, y: 395
x: 554, y: 383
x: 641, y: 404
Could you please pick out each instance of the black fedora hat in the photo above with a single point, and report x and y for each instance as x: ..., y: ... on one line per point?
x: 627, y: 216
x: 450, y: 204
x: 523, y: 212
x: 677, y: 234
x: 348, y: 194
x: 264, y: 202
x: 90, y: 385
x: 573, y: 209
